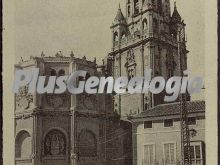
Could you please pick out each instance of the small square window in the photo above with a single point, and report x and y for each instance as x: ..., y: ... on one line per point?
x: 168, y: 123
x: 147, y: 124
x: 191, y: 121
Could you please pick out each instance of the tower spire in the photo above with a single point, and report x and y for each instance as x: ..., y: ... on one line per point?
x: 119, y: 17
x: 176, y: 16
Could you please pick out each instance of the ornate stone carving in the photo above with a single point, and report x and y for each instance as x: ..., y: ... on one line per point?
x: 116, y: 105
x: 23, y: 98
x: 87, y: 101
x: 130, y: 58
x: 55, y: 143
x: 116, y: 71
x: 130, y: 64
x: 57, y: 101
x: 59, y: 54
x: 146, y: 102
x: 192, y: 133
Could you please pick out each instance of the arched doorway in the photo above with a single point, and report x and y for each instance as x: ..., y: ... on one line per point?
x: 55, y: 150
x: 23, y: 146
x: 87, y: 148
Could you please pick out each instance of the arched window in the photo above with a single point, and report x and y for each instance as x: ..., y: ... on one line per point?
x: 53, y: 72
x: 87, y: 143
x: 61, y: 72
x: 123, y: 36
x: 144, y: 24
x: 136, y: 6
x: 129, y: 10
x: 23, y: 145
x: 55, y: 143
x: 115, y: 36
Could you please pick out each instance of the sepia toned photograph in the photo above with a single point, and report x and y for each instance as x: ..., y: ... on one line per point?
x: 108, y: 82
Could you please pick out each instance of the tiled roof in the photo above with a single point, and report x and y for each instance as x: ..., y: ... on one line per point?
x: 172, y: 109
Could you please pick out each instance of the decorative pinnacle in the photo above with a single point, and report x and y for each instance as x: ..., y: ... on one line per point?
x: 175, y: 8
x: 71, y: 54
x: 42, y: 54
x: 119, y: 6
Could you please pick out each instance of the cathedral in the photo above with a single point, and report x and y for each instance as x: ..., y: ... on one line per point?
x: 102, y: 129
x: 146, y: 38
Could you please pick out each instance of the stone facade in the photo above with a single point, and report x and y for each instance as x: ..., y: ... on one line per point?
x: 107, y: 129
x: 63, y: 128
x: 147, y: 38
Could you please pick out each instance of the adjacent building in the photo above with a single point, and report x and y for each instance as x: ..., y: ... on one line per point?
x: 157, y: 138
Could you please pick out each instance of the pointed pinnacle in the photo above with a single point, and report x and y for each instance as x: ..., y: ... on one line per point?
x: 174, y: 4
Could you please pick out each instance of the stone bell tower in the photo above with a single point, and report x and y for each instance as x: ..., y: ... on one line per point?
x: 146, y: 38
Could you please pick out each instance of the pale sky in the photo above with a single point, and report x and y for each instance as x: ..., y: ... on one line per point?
x: 84, y: 27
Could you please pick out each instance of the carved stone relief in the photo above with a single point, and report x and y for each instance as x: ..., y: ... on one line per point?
x: 56, y: 101
x: 87, y: 101
x: 130, y: 64
x: 116, y: 104
x: 23, y: 98
x: 54, y: 143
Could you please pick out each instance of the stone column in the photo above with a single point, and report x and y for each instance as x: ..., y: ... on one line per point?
x: 34, y: 141
x: 150, y: 32
x: 73, y: 155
